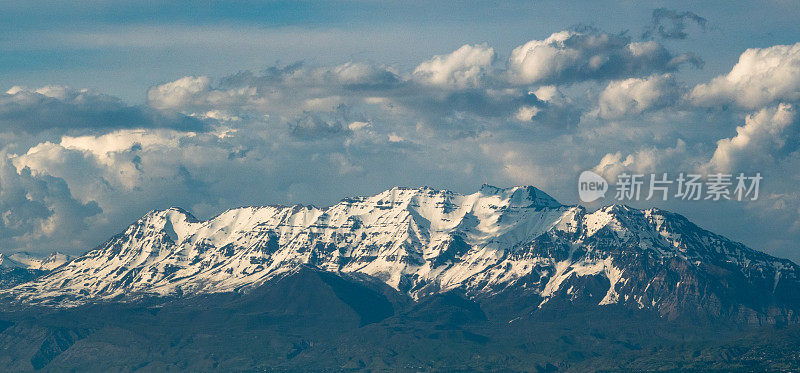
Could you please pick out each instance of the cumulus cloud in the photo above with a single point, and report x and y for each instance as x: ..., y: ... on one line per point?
x: 466, y: 67
x: 128, y: 172
x: 63, y: 108
x: 646, y: 160
x: 458, y: 94
x: 570, y: 56
x: 288, y: 91
x: 762, y: 76
x: 553, y: 109
x: 112, y: 162
x: 340, y: 121
x: 179, y: 93
x: 635, y: 95
x: 766, y: 137
x: 39, y: 211
x: 449, y: 93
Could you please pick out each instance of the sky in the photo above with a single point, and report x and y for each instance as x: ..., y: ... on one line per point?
x: 109, y: 109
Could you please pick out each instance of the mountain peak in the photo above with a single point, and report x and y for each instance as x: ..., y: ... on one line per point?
x: 171, y: 213
x: 22, y: 259
x: 522, y: 195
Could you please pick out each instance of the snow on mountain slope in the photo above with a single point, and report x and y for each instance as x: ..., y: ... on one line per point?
x: 47, y: 263
x: 424, y: 241
x: 22, y: 267
x: 7, y: 262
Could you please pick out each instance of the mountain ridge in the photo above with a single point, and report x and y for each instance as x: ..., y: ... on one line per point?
x: 20, y: 267
x: 422, y: 241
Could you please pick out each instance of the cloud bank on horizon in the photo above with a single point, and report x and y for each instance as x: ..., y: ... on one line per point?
x: 77, y: 165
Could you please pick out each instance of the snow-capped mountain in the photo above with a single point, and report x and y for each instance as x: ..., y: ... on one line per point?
x: 44, y: 263
x: 7, y: 262
x: 22, y: 267
x: 423, y: 241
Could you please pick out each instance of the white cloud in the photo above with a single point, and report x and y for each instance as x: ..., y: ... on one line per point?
x: 290, y: 92
x: 635, y: 95
x: 114, y: 160
x: 766, y: 135
x: 568, y: 56
x: 526, y: 113
x: 466, y: 67
x: 192, y: 93
x: 762, y: 76
x: 39, y: 211
x: 394, y: 138
x: 646, y: 160
x: 178, y: 93
x: 355, y: 126
x: 358, y: 73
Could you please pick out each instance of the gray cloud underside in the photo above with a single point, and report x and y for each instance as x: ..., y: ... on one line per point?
x: 62, y: 108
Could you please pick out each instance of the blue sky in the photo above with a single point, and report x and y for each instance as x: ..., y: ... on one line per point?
x: 114, y: 108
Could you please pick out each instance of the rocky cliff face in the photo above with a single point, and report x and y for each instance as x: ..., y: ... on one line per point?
x: 491, y: 243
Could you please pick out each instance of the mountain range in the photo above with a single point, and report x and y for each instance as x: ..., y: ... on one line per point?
x: 505, y: 256
x: 424, y: 241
